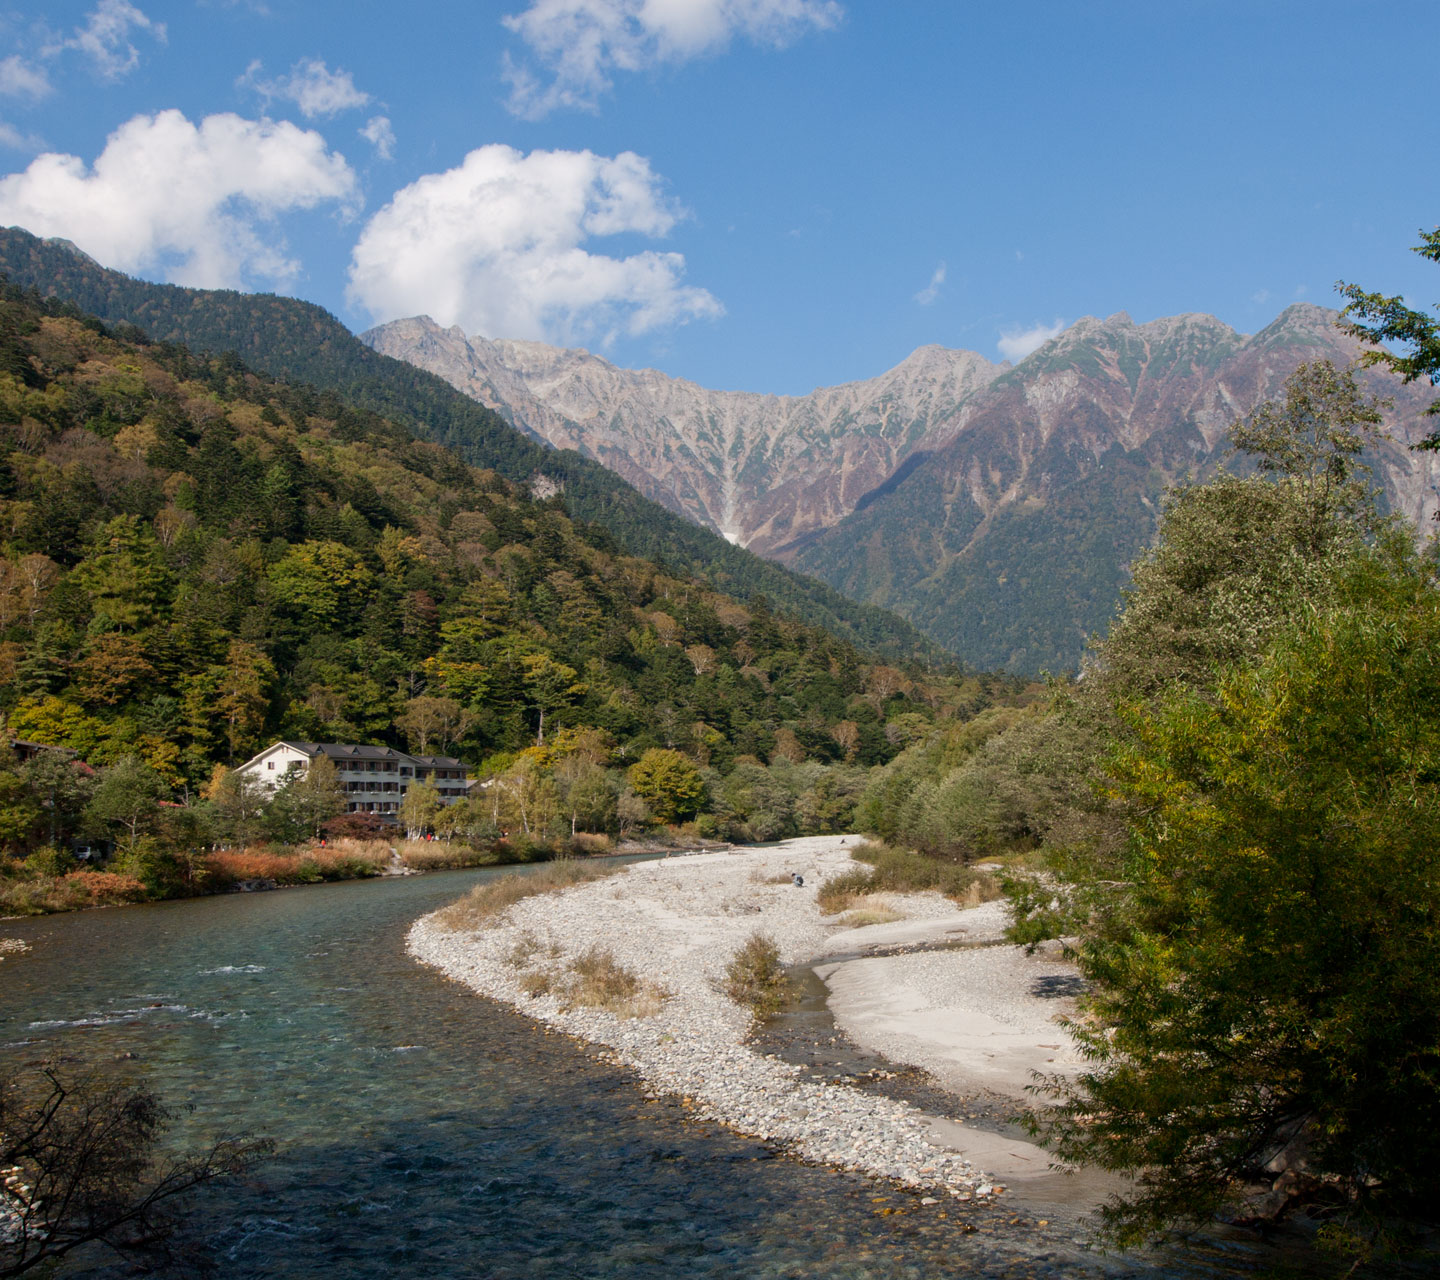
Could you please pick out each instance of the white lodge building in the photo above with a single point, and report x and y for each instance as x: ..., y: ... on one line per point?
x: 374, y: 779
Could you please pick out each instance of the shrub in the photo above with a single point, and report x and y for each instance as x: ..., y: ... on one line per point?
x: 756, y: 979
x: 357, y: 826
x: 904, y: 871
x: 43, y: 895
x: 845, y: 891
x: 50, y: 861
x: 106, y: 888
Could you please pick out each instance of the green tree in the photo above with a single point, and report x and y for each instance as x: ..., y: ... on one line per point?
x: 429, y: 721
x: 1263, y: 1005
x: 61, y: 787
x: 127, y: 799
x: 125, y: 573
x: 20, y: 813
x: 1312, y: 441
x: 306, y: 802
x: 668, y: 783
x: 585, y: 793
x: 1379, y: 319
x: 420, y: 806
x: 325, y: 584
x: 549, y: 685
x: 239, y: 802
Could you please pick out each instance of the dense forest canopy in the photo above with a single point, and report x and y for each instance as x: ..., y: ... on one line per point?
x: 198, y: 559
x: 303, y: 343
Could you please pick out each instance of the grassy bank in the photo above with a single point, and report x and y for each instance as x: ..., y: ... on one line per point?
x: 49, y: 884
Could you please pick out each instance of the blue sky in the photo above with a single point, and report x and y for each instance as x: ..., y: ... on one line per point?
x: 766, y: 195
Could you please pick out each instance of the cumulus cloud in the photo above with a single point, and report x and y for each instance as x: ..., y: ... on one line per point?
x: 379, y: 134
x: 931, y: 291
x: 497, y: 246
x: 311, y: 86
x: 581, y: 43
x: 1015, y: 344
x: 21, y: 79
x: 198, y: 202
x: 106, y: 37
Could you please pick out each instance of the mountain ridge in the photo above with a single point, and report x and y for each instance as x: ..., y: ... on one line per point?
x: 899, y: 489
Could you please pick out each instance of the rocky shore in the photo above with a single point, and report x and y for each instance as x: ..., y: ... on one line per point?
x: 678, y: 921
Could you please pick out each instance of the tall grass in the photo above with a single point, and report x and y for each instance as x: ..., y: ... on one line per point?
x: 445, y: 855
x: 485, y: 902
x: 894, y: 870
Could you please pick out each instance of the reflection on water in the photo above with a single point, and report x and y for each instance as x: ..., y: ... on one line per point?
x: 426, y: 1133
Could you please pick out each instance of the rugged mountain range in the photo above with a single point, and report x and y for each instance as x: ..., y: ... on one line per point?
x: 762, y: 470
x: 995, y: 506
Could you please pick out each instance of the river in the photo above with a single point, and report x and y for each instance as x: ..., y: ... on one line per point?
x: 425, y: 1132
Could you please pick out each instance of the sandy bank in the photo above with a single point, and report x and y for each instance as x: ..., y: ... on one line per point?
x: 979, y: 1016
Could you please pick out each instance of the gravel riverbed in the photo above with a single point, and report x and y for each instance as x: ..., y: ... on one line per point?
x: 678, y: 922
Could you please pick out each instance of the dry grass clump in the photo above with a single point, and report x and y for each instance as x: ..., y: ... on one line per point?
x: 599, y: 981
x: 904, y: 871
x: 485, y: 902
x: 859, y: 917
x: 539, y: 982
x: 756, y: 979
x: 595, y: 980
x: 761, y: 876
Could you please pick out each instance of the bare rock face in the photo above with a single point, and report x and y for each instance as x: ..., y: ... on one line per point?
x: 996, y: 507
x: 762, y: 470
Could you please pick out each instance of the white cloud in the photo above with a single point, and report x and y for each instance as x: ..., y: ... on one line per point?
x: 379, y: 134
x: 21, y: 79
x: 311, y: 86
x: 496, y: 246
x: 106, y: 37
x: 582, y: 42
x: 1015, y: 344
x: 931, y: 291
x: 197, y: 202
x: 13, y: 139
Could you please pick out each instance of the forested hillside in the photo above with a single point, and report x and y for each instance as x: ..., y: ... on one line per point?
x: 301, y: 342
x: 198, y: 559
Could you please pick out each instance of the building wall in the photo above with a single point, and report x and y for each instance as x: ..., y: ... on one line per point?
x: 370, y: 786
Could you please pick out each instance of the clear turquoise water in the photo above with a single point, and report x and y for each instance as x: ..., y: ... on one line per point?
x: 424, y: 1132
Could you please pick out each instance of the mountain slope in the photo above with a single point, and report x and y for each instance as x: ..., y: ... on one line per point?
x: 996, y: 507
x: 196, y: 559
x: 296, y: 340
x: 763, y: 470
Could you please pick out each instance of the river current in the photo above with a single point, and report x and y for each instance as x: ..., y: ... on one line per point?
x: 425, y: 1132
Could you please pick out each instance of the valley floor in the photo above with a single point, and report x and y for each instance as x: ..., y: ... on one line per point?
x: 945, y: 994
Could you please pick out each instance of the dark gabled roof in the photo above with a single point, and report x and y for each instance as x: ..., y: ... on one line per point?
x: 343, y: 751
x: 438, y: 762
x: 352, y: 751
